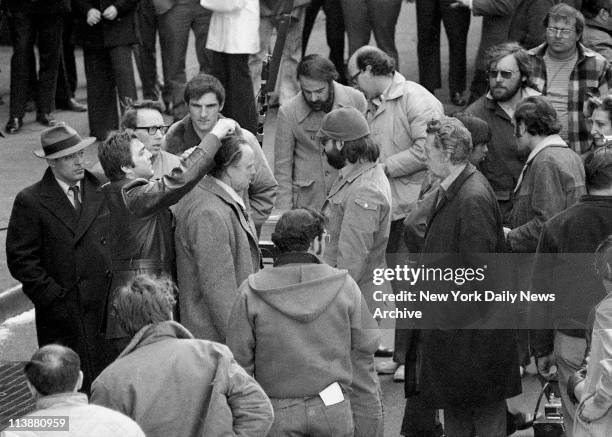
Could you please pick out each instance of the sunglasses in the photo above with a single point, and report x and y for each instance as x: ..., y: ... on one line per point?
x: 505, y: 74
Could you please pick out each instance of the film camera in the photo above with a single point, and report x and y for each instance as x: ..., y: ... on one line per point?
x: 551, y: 423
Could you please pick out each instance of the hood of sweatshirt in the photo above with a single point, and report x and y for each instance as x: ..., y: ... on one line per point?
x: 300, y: 291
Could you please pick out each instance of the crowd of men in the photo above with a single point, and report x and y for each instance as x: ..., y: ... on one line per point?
x: 147, y: 278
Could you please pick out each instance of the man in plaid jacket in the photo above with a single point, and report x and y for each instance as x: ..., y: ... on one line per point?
x: 565, y: 71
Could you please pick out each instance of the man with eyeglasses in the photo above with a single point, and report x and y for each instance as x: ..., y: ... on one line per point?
x: 508, y: 69
x: 564, y: 69
x: 146, y: 120
x: 56, y: 246
x: 141, y: 238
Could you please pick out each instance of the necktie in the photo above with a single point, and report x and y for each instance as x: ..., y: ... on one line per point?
x: 77, y: 201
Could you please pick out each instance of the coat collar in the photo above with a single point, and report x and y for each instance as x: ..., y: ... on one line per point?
x: 452, y: 191
x: 211, y: 186
x: 155, y: 333
x: 53, y: 198
x: 341, y: 99
x: 343, y: 179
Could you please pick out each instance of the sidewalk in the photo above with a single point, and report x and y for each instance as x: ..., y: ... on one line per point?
x: 19, y: 168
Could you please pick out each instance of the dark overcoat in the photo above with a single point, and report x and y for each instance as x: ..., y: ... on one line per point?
x: 121, y: 31
x: 63, y: 262
x: 460, y: 367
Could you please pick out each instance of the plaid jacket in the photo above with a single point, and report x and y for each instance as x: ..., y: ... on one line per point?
x: 591, y: 71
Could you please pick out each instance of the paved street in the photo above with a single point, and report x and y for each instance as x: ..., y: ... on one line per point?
x: 20, y: 168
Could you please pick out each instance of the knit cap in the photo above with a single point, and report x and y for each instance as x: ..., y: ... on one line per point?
x: 344, y: 124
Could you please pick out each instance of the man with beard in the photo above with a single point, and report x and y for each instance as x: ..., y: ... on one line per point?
x: 358, y: 211
x: 508, y: 68
x: 304, y: 176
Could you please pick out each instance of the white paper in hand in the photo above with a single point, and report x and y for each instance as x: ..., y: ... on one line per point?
x: 332, y: 394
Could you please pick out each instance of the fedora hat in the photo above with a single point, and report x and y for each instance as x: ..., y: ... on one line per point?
x: 61, y: 140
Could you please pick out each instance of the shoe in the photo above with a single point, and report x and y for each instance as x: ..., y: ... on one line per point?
x: 399, y: 374
x: 458, y: 99
x: 14, y: 125
x: 386, y: 367
x: 72, y: 105
x: 45, y: 119
x: 383, y: 352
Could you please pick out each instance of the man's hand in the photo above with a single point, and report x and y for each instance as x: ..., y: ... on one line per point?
x: 546, y: 366
x: 224, y: 128
x: 460, y: 4
x: 110, y: 13
x: 93, y: 16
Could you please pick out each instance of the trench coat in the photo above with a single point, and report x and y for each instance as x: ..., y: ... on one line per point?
x: 62, y: 260
x: 216, y: 250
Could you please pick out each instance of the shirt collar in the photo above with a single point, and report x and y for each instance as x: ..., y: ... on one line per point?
x: 235, y: 197
x: 454, y: 174
x: 546, y: 142
x: 352, y: 171
x: 70, y: 398
x: 66, y: 188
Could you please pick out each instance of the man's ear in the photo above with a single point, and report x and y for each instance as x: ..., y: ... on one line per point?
x: 603, y: 15
x: 339, y: 144
x: 79, y: 383
x: 127, y: 170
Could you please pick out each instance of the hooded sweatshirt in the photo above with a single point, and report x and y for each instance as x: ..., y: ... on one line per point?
x: 293, y: 328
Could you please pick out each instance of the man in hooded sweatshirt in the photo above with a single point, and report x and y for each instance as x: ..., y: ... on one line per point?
x: 316, y: 316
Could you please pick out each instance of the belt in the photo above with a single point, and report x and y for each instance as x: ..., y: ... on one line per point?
x: 138, y: 264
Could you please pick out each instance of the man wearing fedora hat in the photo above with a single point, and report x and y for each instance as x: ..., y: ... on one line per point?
x: 56, y: 247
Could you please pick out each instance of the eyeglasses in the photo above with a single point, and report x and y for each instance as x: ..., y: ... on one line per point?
x: 353, y: 79
x: 556, y: 31
x: 151, y: 130
x: 74, y: 156
x: 505, y: 74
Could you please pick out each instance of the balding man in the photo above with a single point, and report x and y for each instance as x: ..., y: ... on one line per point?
x: 54, y: 378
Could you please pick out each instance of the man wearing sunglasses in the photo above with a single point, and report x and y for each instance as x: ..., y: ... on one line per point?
x: 564, y: 69
x: 508, y: 69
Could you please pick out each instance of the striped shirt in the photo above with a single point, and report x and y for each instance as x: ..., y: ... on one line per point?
x: 592, y: 71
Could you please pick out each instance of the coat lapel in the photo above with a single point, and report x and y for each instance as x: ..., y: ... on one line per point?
x: 53, y: 198
x: 452, y: 191
x: 92, y: 203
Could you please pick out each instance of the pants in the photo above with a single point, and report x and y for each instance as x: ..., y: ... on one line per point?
x: 569, y: 353
x: 397, y: 253
x: 362, y: 17
x: 67, y: 73
x: 310, y: 417
x: 420, y: 419
x: 24, y: 29
x: 174, y: 28
x: 487, y: 420
x: 334, y: 31
x: 233, y: 72
x: 145, y: 54
x: 456, y: 23
x: 286, y: 85
x: 109, y: 75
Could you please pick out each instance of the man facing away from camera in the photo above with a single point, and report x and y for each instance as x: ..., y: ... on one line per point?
x: 172, y: 384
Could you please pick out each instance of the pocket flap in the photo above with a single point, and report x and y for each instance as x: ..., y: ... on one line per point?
x: 303, y: 183
x: 369, y: 205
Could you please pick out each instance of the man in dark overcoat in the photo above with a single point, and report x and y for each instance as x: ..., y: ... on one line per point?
x: 107, y: 31
x: 467, y: 372
x: 56, y: 247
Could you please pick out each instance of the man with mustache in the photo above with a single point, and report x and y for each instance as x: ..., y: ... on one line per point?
x: 508, y: 69
x: 303, y: 174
